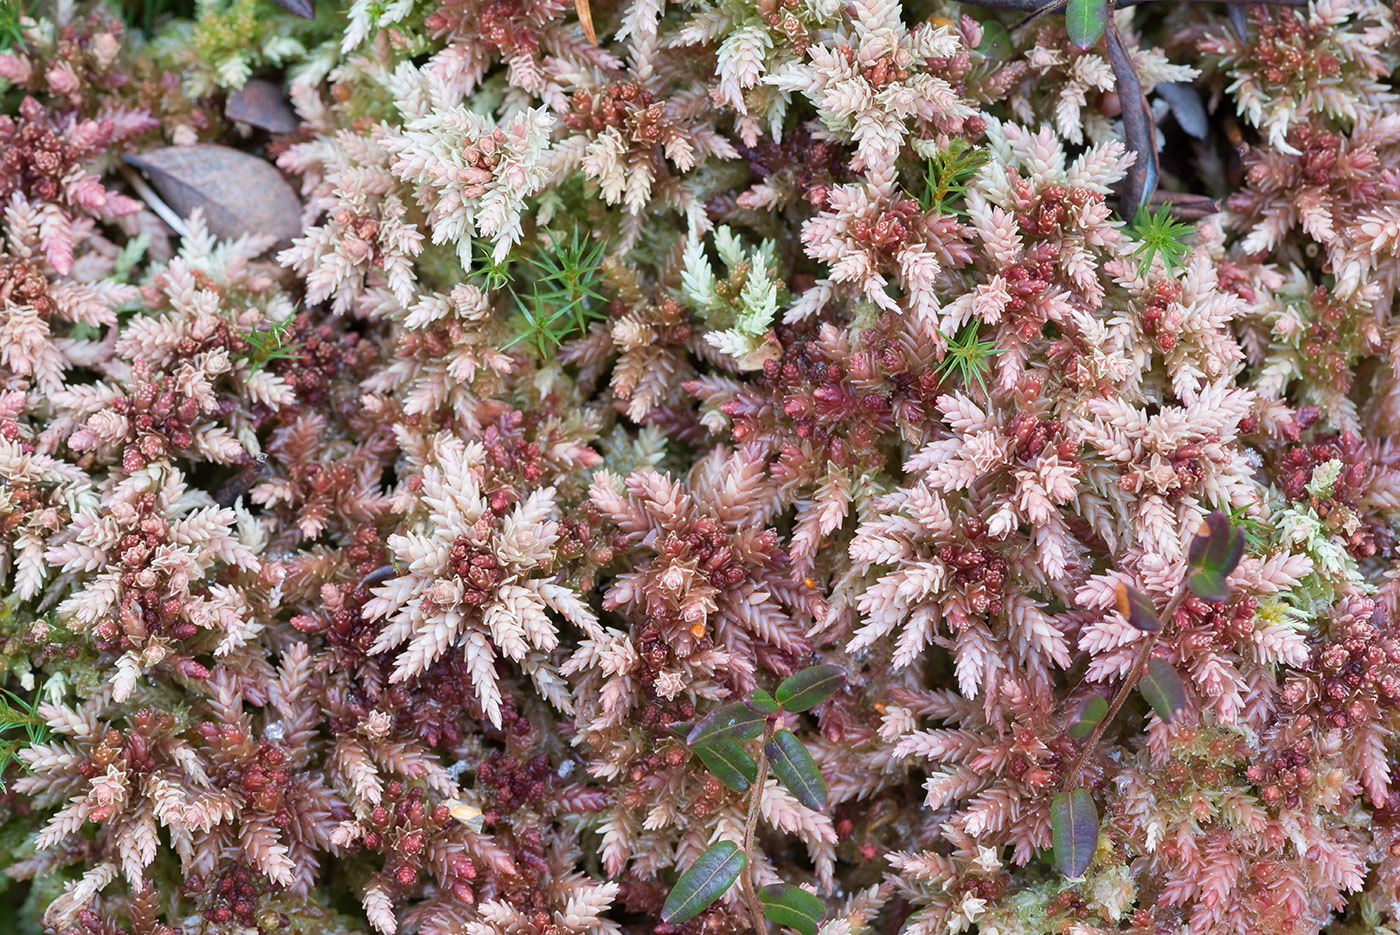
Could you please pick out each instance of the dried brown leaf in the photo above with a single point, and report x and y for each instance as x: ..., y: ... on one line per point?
x: 261, y: 104
x: 240, y: 193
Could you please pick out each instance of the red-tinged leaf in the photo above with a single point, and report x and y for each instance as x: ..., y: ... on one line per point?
x: 1086, y: 21
x: 261, y: 104
x: 1137, y: 608
x: 239, y: 193
x: 792, y: 907
x: 796, y: 769
x: 810, y: 687
x: 730, y: 764
x: 703, y: 883
x: 1163, y: 689
x: 1217, y: 547
x: 732, y: 723
x: 1091, y: 711
x: 1074, y: 831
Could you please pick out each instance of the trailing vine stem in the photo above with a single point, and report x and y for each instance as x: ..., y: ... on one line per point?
x: 1139, y: 662
x: 746, y: 879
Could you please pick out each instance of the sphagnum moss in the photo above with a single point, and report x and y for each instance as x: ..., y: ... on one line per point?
x: 378, y: 580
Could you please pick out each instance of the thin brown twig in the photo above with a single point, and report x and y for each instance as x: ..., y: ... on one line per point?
x: 746, y: 878
x: 1139, y: 663
x: 1184, y: 205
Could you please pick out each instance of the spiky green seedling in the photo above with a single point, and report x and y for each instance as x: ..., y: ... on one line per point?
x: 1162, y: 235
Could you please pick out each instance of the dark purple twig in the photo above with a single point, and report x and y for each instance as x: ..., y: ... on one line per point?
x: 240, y: 483
x: 1184, y: 206
x: 1139, y: 131
x: 1239, y: 22
x: 378, y: 576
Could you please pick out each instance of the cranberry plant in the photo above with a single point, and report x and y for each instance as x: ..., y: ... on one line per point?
x: 739, y: 743
x: 1213, y: 554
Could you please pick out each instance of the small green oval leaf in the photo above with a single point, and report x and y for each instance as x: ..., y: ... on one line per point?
x: 792, y: 907
x: 732, y: 723
x: 810, y: 687
x: 1074, y: 831
x: 762, y: 702
x: 1091, y: 711
x: 730, y: 764
x: 1162, y: 688
x: 796, y: 769
x: 1208, y: 585
x: 703, y: 883
x: 996, y: 40
x: 1086, y: 21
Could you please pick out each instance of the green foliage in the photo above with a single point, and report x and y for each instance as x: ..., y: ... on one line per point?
x: 705, y: 881
x: 131, y: 254
x: 796, y: 769
x: 1160, y: 234
x: 488, y: 274
x: 1212, y: 554
x: 729, y: 762
x: 792, y: 907
x: 1091, y: 712
x: 566, y: 282
x: 717, y: 741
x: 996, y: 40
x: 1085, y: 21
x: 947, y: 175
x: 1163, y: 689
x: 1074, y: 831
x: 810, y: 687
x: 270, y: 344
x: 11, y: 32
x: 740, y: 307
x: 967, y: 356
x: 733, y: 723
x: 20, y: 727
x: 1256, y: 532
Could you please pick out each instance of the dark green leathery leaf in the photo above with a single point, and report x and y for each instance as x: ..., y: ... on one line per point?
x: 703, y: 883
x: 731, y: 723
x: 792, y: 907
x: 1086, y: 20
x: 762, y: 702
x: 730, y: 764
x: 1163, y: 689
x: 1074, y: 831
x: 796, y: 769
x: 810, y: 687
